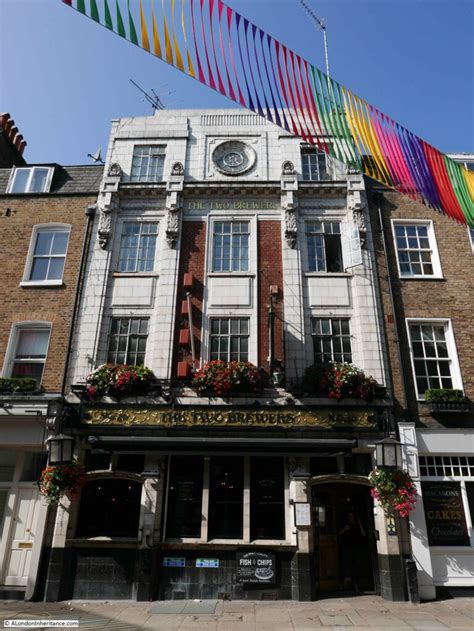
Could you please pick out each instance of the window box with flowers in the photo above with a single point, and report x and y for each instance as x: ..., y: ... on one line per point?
x: 341, y: 380
x: 119, y: 381
x: 19, y: 385
x: 394, y: 490
x: 59, y: 480
x: 446, y: 400
x: 219, y: 378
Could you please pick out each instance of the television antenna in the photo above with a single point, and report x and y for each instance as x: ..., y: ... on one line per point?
x: 153, y: 99
x: 322, y: 25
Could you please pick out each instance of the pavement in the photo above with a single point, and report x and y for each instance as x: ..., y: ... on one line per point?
x: 367, y: 612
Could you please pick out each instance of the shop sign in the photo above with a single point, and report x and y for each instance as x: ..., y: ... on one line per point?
x: 207, y: 562
x: 444, y: 513
x: 256, y: 567
x: 174, y: 562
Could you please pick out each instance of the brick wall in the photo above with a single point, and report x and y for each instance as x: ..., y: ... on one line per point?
x: 54, y: 304
x: 450, y: 298
x: 192, y: 254
x: 270, y: 272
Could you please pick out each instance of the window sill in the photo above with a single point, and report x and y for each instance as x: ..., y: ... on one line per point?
x: 228, y: 542
x: 42, y: 283
x: 330, y: 274
x: 135, y: 274
x: 227, y: 274
x: 421, y: 277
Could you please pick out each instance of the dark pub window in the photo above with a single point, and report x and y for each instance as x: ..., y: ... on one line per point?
x: 226, y: 491
x: 267, y: 508
x: 185, y: 497
x: 110, y: 508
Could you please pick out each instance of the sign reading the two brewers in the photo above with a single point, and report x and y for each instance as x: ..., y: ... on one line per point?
x: 256, y: 567
x: 444, y: 512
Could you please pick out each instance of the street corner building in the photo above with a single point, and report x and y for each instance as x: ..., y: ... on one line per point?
x: 229, y: 284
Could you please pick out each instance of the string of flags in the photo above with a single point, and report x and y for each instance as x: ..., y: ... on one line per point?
x: 214, y: 44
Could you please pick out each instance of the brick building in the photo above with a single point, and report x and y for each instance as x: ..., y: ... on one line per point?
x: 425, y: 270
x: 220, y: 237
x: 43, y: 225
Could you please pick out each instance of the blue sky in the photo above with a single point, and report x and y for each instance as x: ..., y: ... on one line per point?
x: 63, y: 78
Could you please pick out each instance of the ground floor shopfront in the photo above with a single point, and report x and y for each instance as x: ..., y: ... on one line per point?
x: 441, y: 461
x: 234, y: 513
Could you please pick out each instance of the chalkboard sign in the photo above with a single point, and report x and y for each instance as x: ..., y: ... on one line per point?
x: 256, y: 567
x: 444, y: 512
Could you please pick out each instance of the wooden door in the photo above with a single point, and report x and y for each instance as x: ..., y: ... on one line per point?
x: 25, y: 520
x: 325, y: 517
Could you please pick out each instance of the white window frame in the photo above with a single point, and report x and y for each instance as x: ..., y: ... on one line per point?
x: 323, y: 220
x: 309, y: 149
x: 128, y: 317
x: 43, y: 227
x: 47, y: 185
x: 13, y: 342
x: 471, y: 237
x: 161, y: 145
x: 456, y: 376
x: 212, y: 235
x: 435, y: 260
x: 141, y: 220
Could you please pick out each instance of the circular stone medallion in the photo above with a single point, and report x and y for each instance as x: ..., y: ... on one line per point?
x: 234, y: 157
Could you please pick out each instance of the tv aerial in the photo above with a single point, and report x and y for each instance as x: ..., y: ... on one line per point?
x: 96, y: 156
x: 153, y: 98
x: 322, y: 25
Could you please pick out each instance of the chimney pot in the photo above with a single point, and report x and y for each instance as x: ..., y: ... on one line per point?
x: 18, y: 140
x: 12, y: 133
x: 4, y: 118
x: 8, y: 125
x: 22, y: 146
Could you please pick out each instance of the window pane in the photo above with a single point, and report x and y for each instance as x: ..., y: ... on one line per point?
x: 109, y: 508
x: 32, y: 343
x: 28, y: 369
x: 38, y: 181
x: 185, y: 497
x: 39, y: 269
x: 20, y: 181
x: 60, y: 242
x: 7, y: 465
x: 333, y: 253
x: 226, y: 497
x: 267, y: 511
x: 56, y: 267
x: 44, y: 242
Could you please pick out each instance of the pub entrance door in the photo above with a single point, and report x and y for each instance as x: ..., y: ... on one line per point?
x: 345, y: 546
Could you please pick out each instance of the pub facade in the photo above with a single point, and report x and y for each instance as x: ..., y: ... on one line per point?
x: 220, y: 238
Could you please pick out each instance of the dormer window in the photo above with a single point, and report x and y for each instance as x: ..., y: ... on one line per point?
x: 30, y: 180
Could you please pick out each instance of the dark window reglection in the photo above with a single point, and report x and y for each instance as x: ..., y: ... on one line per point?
x: 226, y: 495
x: 267, y: 493
x: 185, y: 497
x: 127, y: 343
x: 229, y: 339
x: 331, y: 340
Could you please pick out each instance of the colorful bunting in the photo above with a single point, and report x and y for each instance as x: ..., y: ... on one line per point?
x: 289, y: 91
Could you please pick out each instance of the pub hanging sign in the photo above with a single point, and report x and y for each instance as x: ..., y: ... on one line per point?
x: 256, y: 568
x: 444, y: 513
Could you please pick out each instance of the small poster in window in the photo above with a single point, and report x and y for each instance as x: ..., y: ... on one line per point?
x: 174, y: 562
x: 302, y: 514
x: 207, y: 562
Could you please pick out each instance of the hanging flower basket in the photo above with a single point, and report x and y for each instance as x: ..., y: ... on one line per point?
x: 394, y: 489
x: 339, y: 380
x: 227, y: 378
x: 119, y: 380
x: 59, y: 480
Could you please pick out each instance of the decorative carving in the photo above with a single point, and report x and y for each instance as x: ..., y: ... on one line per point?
x: 115, y: 170
x: 356, y: 202
x: 177, y: 169
x: 105, y: 219
x: 291, y: 228
x: 168, y: 417
x: 172, y: 227
x: 288, y: 168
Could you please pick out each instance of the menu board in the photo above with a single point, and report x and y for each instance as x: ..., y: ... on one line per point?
x: 444, y: 513
x: 256, y: 567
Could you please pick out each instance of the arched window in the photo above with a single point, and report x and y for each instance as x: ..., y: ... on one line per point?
x: 110, y: 507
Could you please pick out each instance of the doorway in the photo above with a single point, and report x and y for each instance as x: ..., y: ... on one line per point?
x: 345, y: 545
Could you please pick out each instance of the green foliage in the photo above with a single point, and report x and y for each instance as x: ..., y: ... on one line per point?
x: 444, y: 395
x: 18, y: 384
x: 337, y: 380
x: 59, y: 480
x: 119, y: 380
x: 225, y: 378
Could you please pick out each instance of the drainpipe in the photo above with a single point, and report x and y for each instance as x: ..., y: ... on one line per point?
x: 378, y: 198
x: 90, y: 214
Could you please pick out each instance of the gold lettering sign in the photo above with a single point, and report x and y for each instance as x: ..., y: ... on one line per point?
x: 167, y: 417
x: 233, y: 204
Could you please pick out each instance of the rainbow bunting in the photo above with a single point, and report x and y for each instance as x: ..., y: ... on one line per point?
x: 236, y: 58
